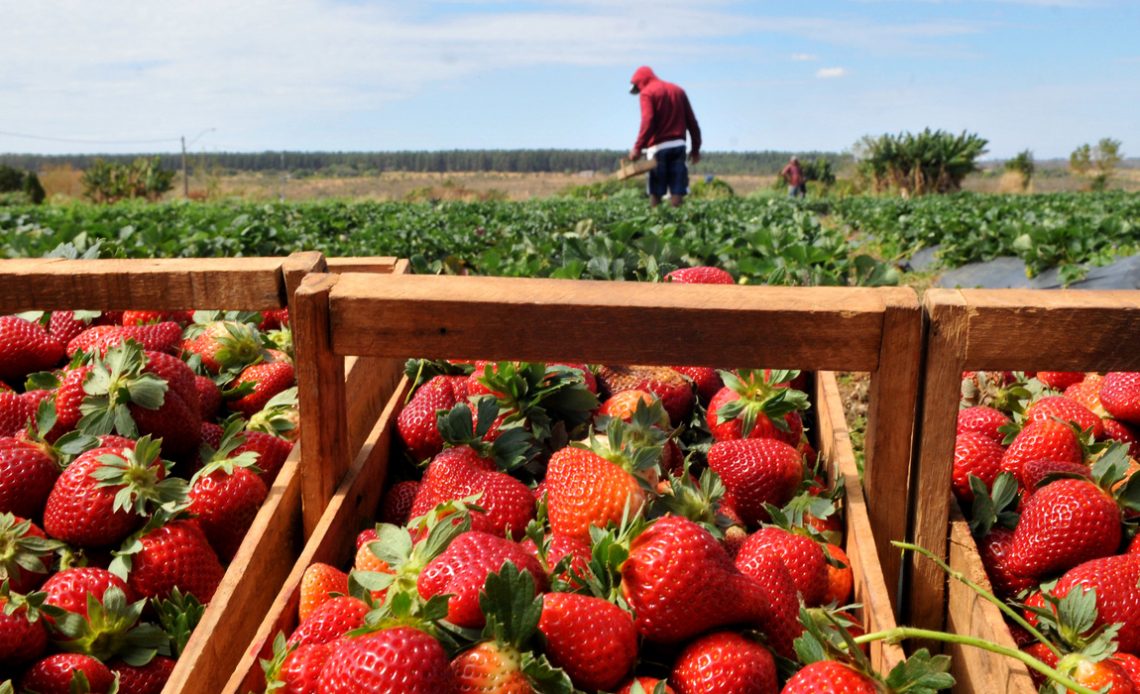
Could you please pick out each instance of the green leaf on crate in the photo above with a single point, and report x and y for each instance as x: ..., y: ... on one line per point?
x: 921, y: 673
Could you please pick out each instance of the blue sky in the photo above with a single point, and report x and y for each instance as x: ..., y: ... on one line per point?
x: 124, y: 76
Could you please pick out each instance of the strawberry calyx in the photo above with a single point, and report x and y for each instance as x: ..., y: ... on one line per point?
x: 1111, y: 473
x: 220, y: 460
x: 31, y: 603
x: 699, y: 500
x: 1070, y: 621
x: 994, y: 507
x: 279, y: 417
x: 511, y: 449
x: 792, y: 517
x: 110, y: 629
x: 21, y: 551
x: 143, y: 479
x: 178, y: 614
x: 420, y: 371
x: 116, y: 381
x: 635, y: 449
x: 540, y: 395
x: 282, y: 649
x: 1010, y: 398
x: 761, y: 393
x: 610, y: 547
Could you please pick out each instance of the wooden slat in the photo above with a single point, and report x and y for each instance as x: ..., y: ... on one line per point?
x: 1052, y: 330
x: 481, y: 317
x: 321, y: 398
x: 891, y: 417
x: 364, y: 263
x: 48, y: 284
x: 296, y: 266
x: 369, y: 382
x: 871, y: 590
x: 977, y: 671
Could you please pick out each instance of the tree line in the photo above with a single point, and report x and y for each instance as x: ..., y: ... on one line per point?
x: 440, y: 161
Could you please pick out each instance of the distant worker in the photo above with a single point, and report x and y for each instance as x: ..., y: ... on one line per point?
x: 665, y: 117
x: 794, y: 177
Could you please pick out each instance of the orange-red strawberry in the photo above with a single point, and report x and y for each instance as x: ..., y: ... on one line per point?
x: 1120, y: 395
x: 1064, y: 523
x: 803, y: 557
x: 648, y: 685
x: 330, y: 621
x: 756, y: 472
x: 623, y: 404
x: 830, y: 676
x: 56, y: 674
x: 22, y: 638
x: 159, y: 337
x: 366, y: 560
x: 594, y: 641
x: 679, y: 582
x: 462, y: 569
x: 175, y: 555
x: 399, y: 659
x: 27, y: 475
x: 148, y: 317
x: 584, y: 489
x: 267, y: 379
x: 490, y: 668
x: 1047, y: 440
x: 1114, y: 579
x: 143, y: 679
x: 757, y: 404
x: 978, y: 455
x: 396, y: 506
x: 982, y: 419
x: 1066, y: 410
x: 318, y: 584
x: 106, y: 494
x: 724, y: 662
x: 226, y: 344
x: 417, y: 422
x: 25, y: 347
x: 25, y: 553
x: 840, y: 579
x: 1059, y: 380
x: 675, y: 392
x: 699, y: 274
x: 1087, y: 392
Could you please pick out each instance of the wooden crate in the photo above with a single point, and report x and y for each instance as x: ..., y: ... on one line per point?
x: 558, y: 320
x: 275, y: 538
x: 629, y: 169
x: 971, y: 330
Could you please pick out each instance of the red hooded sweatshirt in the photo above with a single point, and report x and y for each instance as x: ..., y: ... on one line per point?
x: 665, y: 112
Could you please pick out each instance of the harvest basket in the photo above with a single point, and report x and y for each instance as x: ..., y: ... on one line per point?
x: 993, y: 330
x: 275, y: 539
x: 542, y: 320
x: 629, y: 169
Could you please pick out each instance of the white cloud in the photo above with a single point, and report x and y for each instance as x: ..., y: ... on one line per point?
x: 804, y: 57
x: 827, y: 73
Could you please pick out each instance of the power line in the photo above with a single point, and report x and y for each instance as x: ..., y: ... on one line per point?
x: 90, y: 142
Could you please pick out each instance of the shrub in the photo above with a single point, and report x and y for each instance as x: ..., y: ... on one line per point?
x: 19, y: 187
x: 106, y: 182
x: 929, y: 162
x: 1023, y: 166
x: 711, y: 189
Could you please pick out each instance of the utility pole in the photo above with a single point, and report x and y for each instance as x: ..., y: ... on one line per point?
x: 185, y: 178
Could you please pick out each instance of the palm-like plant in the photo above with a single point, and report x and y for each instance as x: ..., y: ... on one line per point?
x: 916, y: 164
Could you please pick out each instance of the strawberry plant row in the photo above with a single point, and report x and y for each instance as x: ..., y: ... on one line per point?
x: 997, y: 338
x: 551, y: 322
x: 165, y: 290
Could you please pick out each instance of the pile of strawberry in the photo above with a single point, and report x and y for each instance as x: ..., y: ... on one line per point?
x: 1046, y: 465
x: 135, y: 450
x: 564, y: 527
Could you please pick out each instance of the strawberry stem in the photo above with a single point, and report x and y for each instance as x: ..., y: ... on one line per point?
x: 900, y: 633
x: 989, y: 597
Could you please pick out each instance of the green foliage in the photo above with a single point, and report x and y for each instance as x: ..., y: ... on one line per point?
x: 1099, y: 163
x: 107, y: 182
x: 929, y: 162
x: 607, y: 188
x: 19, y: 187
x: 1023, y: 165
x: 819, y: 170
x: 715, y: 189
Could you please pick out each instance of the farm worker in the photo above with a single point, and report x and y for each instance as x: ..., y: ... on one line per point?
x: 665, y: 116
x: 794, y: 176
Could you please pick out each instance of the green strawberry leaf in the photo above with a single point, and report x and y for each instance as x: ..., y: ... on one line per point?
x: 179, y: 614
x: 511, y: 606
x: 921, y: 673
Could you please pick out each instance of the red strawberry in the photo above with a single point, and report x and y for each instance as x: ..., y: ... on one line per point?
x: 705, y: 378
x: 756, y: 472
x: 274, y: 319
x: 318, y: 583
x: 560, y: 547
x: 994, y: 549
x: 701, y: 274
x: 1120, y: 395
x: 160, y: 337
x: 330, y: 621
x: 1047, y: 440
x: 396, y: 506
x: 26, y: 555
x: 724, y: 662
x: 27, y: 475
x: 679, y: 582
x: 209, y: 397
x: 22, y: 639
x: 1036, y: 472
x: 648, y: 686
x: 1087, y: 392
x: 675, y: 392
x: 417, y: 424
x: 176, y: 555
x: 272, y: 451
x: 25, y: 347
x: 57, y: 673
x: 462, y: 569
x: 178, y: 420
x: 1059, y: 380
x: 758, y: 405
x: 225, y: 496
x: 490, y: 667
x: 1064, y: 523
x: 147, y: 317
x: 594, y: 641
x: 1118, y: 431
x: 1118, y: 602
x: 622, y: 405
x: 267, y: 378
x: 15, y: 413
x: 802, y: 556
x: 143, y: 679
x: 982, y: 419
x: 399, y: 660
x: 978, y: 455
x: 212, y: 435
x: 65, y: 325
x: 226, y: 345
x: 68, y: 589
x: 300, y: 673
x: 1130, y: 664
x: 1066, y: 410
x: 457, y: 473
x: 830, y: 676
x: 69, y: 398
